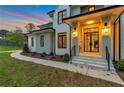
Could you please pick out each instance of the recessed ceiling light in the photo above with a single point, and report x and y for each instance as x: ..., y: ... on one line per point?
x: 90, y: 22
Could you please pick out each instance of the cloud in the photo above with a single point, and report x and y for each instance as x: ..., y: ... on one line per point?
x: 21, y: 21
x: 34, y: 18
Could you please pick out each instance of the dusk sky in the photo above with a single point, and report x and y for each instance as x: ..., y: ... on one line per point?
x: 13, y: 16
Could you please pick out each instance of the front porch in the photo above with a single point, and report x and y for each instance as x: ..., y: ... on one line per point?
x: 92, y: 37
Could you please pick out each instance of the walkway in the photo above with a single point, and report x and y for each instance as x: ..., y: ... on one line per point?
x: 97, y: 73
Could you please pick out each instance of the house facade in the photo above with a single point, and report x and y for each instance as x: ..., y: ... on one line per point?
x: 92, y: 34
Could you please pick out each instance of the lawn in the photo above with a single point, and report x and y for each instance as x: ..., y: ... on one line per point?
x: 8, y: 48
x: 14, y: 72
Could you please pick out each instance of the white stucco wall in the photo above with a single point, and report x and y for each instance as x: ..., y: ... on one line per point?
x: 122, y: 36
x: 32, y: 48
x: 37, y: 48
x: 75, y: 10
x: 61, y: 28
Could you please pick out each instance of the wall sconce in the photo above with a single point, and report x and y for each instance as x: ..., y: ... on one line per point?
x: 106, y: 30
x: 74, y: 33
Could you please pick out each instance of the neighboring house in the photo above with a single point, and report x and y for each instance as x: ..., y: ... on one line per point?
x: 90, y: 33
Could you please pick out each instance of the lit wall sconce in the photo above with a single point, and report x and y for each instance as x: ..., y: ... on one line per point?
x: 74, y: 33
x: 106, y: 30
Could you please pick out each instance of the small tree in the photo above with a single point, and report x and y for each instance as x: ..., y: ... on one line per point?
x: 30, y: 27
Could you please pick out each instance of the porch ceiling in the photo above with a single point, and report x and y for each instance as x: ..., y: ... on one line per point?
x: 116, y: 10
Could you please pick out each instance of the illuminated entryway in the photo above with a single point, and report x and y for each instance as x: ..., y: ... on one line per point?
x: 91, y: 40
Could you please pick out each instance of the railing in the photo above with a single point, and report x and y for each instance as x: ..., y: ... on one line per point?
x: 108, y: 58
x: 73, y: 53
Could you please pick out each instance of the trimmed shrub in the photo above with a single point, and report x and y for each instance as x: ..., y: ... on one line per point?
x: 26, y: 49
x: 120, y: 64
x: 66, y: 57
x: 51, y: 54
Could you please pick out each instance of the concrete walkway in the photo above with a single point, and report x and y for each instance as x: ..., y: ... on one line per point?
x: 88, y: 71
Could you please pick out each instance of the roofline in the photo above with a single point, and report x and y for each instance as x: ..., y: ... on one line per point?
x: 39, y: 30
x: 99, y: 10
x: 51, y: 11
x: 45, y: 24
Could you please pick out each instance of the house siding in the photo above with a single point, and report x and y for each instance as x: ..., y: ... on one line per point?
x: 61, y: 28
x: 47, y: 43
x: 32, y: 48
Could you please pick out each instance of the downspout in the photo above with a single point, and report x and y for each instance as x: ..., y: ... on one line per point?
x: 54, y: 41
x: 70, y: 31
x: 119, y: 39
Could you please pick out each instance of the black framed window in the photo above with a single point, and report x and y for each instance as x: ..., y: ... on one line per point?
x: 61, y: 15
x: 32, y: 41
x: 91, y: 8
x: 42, y: 41
x: 62, y: 41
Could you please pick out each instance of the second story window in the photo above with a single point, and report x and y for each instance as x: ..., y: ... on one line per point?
x: 91, y: 8
x: 61, y: 15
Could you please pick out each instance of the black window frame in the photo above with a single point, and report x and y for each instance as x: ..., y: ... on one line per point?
x: 62, y: 12
x: 32, y: 41
x: 62, y: 35
x: 42, y: 43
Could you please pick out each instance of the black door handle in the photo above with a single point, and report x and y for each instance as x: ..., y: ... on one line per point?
x: 90, y: 43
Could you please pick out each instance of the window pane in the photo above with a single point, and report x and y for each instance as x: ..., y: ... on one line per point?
x: 64, y: 41
x: 32, y: 41
x: 42, y: 41
x: 64, y: 14
x: 60, y: 17
x: 60, y: 42
x: 91, y: 8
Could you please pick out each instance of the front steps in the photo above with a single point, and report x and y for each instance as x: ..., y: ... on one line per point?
x: 92, y: 62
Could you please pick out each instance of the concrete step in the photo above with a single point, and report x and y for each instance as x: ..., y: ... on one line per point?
x: 105, y: 67
x: 98, y: 59
x: 92, y: 62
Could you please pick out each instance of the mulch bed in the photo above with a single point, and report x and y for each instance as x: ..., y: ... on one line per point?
x: 45, y: 56
x: 120, y: 72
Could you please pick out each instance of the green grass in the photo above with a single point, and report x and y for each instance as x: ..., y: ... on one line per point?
x: 8, y: 48
x: 14, y: 72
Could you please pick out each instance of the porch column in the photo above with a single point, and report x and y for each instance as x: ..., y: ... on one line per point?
x: 106, y: 41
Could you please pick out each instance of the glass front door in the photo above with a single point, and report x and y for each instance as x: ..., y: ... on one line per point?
x: 91, y: 40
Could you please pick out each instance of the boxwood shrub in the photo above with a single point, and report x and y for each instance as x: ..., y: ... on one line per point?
x: 120, y: 64
x: 26, y: 49
x: 66, y: 57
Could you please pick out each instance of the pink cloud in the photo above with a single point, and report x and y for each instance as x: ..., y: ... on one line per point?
x: 35, y: 18
x: 12, y: 24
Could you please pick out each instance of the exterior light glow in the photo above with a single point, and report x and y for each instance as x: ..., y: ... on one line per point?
x: 106, y: 31
x: 75, y: 34
x: 90, y: 22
